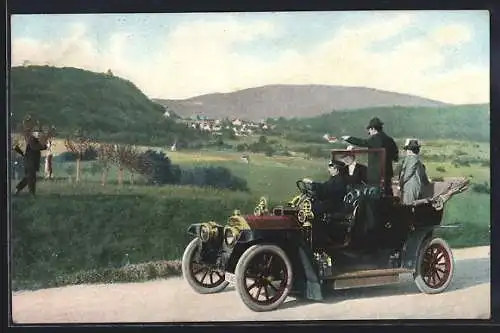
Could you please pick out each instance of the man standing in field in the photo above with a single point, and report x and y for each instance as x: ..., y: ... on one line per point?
x: 378, y: 139
x: 32, y: 156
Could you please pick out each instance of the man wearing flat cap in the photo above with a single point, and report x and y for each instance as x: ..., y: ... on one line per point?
x: 378, y: 139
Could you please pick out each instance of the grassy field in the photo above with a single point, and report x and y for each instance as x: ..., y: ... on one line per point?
x: 74, y: 227
x: 263, y: 172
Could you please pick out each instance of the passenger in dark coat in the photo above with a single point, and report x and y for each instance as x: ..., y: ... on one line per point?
x: 32, y: 156
x: 378, y: 139
x: 355, y: 173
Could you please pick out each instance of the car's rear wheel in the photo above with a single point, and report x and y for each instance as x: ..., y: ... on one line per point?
x: 435, y: 267
x: 263, y: 277
x: 203, y: 278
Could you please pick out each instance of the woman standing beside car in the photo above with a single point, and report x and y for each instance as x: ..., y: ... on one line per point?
x: 412, y: 177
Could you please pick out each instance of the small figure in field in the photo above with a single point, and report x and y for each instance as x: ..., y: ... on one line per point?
x: 32, y: 156
x: 48, y: 159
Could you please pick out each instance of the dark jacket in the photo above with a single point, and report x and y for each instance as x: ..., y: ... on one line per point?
x: 32, y: 154
x: 379, y: 140
x: 332, y: 191
x: 359, y: 175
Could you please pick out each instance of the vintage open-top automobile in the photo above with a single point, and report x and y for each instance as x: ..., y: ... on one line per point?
x: 371, y: 240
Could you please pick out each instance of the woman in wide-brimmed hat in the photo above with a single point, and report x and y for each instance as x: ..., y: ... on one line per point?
x: 412, y: 177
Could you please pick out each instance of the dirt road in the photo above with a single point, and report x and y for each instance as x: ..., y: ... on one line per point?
x: 172, y: 300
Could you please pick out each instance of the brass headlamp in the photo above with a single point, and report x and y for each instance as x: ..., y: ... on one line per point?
x: 207, y: 231
x: 231, y: 235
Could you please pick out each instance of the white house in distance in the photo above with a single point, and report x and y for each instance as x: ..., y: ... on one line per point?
x: 237, y: 122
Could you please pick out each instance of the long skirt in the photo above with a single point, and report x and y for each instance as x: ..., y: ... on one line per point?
x: 48, y: 166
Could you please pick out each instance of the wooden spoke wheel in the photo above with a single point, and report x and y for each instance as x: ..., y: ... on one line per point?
x: 204, y: 279
x: 435, y: 267
x: 263, y: 277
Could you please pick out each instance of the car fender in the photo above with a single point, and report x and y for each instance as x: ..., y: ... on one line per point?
x: 305, y: 269
x: 313, y: 289
x: 248, y: 238
x: 413, y: 245
x: 194, y: 229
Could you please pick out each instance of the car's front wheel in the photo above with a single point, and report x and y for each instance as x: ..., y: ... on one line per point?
x: 203, y: 278
x: 264, y: 277
x: 435, y: 267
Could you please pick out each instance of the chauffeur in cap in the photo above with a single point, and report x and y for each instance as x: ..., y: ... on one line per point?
x: 330, y: 194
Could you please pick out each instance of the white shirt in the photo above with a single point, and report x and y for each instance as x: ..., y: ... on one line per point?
x: 351, y: 168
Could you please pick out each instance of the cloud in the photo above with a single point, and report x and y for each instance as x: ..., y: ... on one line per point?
x: 452, y: 34
x: 200, y: 57
x: 73, y: 50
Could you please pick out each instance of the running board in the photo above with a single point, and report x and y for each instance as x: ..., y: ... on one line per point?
x: 370, y: 281
x: 370, y: 273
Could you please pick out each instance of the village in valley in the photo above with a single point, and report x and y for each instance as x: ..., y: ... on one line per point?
x: 239, y: 127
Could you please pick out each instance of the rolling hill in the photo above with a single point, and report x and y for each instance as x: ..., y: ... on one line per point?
x: 459, y: 122
x: 101, y: 104
x: 291, y: 101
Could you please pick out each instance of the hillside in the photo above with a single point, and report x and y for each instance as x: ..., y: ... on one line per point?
x: 291, y: 101
x: 462, y: 122
x: 103, y: 105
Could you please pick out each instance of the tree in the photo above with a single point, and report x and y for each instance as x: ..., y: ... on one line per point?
x: 105, y: 157
x: 78, y: 143
x: 28, y: 126
x: 126, y: 156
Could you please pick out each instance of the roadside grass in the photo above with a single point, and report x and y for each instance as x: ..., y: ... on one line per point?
x: 63, y: 233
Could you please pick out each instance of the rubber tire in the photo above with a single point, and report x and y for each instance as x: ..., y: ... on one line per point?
x: 419, y: 281
x: 187, y: 259
x: 241, y: 266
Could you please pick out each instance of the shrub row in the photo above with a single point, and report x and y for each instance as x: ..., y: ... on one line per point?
x: 90, y: 154
x: 159, y: 170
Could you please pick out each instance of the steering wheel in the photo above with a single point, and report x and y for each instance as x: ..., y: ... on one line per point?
x: 305, y: 188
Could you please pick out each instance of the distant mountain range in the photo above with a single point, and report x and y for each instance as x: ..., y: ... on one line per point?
x: 291, y: 101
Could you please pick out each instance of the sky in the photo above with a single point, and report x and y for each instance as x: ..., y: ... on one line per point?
x: 442, y: 55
